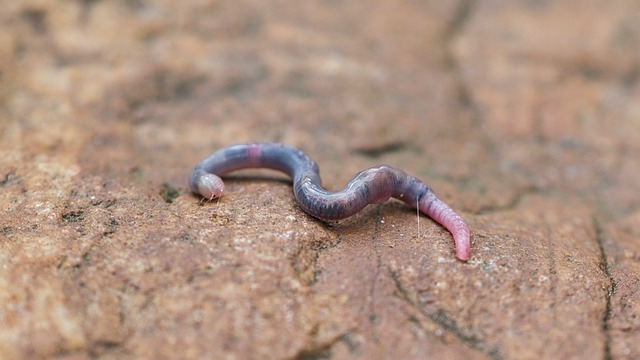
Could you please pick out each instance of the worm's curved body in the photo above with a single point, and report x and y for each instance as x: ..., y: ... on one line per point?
x: 374, y: 185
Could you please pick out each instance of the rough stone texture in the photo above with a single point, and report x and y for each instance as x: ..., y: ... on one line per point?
x: 523, y: 115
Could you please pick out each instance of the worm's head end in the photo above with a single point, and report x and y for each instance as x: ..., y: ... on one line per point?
x: 210, y: 186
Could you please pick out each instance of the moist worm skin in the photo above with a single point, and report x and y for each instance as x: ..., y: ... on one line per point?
x: 371, y: 186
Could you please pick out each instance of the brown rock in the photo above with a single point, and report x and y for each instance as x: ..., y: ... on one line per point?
x: 522, y: 115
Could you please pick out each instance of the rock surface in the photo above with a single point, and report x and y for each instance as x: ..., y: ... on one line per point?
x: 523, y: 115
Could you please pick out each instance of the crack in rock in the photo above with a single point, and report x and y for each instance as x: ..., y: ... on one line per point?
x: 446, y: 322
x: 604, y: 265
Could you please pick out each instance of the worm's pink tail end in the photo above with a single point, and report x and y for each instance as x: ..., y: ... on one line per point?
x: 436, y: 209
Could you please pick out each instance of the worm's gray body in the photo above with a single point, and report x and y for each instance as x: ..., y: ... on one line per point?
x: 374, y: 185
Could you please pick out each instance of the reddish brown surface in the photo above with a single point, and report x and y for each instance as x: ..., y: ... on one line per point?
x: 524, y: 117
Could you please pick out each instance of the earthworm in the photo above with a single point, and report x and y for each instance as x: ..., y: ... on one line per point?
x: 371, y: 186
